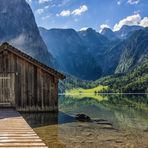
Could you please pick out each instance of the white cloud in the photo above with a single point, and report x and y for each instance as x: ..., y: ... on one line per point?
x: 84, y: 28
x: 130, y: 20
x: 75, y: 12
x: 135, y: 19
x: 80, y: 10
x: 144, y: 22
x: 43, y: 1
x: 40, y: 11
x: 103, y: 26
x: 65, y: 13
x: 132, y: 2
x: 19, y: 41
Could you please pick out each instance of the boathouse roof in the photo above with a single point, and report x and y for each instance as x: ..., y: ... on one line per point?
x: 8, y: 47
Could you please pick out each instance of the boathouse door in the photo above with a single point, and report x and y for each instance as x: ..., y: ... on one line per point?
x: 7, y: 89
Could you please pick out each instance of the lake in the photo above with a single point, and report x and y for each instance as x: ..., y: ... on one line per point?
x: 123, y: 122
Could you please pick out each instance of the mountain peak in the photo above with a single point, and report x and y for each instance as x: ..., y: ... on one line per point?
x: 125, y: 30
x: 133, y: 27
x: 18, y: 27
x: 107, y: 32
x: 71, y: 53
x: 63, y: 29
x: 90, y: 29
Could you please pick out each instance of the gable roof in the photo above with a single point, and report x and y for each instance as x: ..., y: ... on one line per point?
x: 6, y: 46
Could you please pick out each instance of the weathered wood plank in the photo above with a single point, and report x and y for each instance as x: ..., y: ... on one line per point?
x: 15, y: 132
x: 23, y: 146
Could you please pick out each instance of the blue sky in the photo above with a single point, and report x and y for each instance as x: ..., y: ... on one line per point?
x: 80, y: 14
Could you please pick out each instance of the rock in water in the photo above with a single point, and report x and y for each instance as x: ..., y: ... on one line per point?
x: 18, y: 27
x: 83, y: 118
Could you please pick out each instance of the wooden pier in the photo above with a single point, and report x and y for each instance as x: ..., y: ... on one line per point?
x: 16, y: 133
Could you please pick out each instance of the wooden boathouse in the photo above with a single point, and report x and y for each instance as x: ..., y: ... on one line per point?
x: 25, y: 83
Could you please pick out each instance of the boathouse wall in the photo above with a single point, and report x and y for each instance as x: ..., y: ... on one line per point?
x: 35, y: 89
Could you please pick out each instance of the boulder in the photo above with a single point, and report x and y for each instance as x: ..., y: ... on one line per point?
x: 83, y: 118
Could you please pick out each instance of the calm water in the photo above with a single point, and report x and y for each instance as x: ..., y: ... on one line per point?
x: 127, y: 115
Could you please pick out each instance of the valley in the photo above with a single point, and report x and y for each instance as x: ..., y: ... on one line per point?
x: 96, y: 58
x: 105, y: 71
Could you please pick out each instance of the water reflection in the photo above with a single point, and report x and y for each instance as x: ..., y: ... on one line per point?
x: 128, y: 114
x: 45, y: 119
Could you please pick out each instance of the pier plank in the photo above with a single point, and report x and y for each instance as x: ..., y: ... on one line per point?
x: 16, y: 133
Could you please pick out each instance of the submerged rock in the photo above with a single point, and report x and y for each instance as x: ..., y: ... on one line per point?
x: 104, y: 122
x: 146, y: 130
x: 83, y: 118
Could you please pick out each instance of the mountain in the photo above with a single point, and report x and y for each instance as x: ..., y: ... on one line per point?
x: 112, y: 57
x: 90, y: 55
x: 18, y: 27
x: 85, y: 54
x: 106, y: 52
x: 76, y: 52
x: 134, y: 81
x: 107, y: 32
x: 123, y: 33
x: 126, y: 30
x: 135, y: 51
x: 126, y: 54
x: 71, y: 53
x: 94, y: 41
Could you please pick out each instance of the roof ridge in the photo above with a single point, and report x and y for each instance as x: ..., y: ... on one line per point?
x: 11, y: 48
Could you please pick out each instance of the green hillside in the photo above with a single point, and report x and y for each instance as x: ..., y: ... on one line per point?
x: 135, y: 81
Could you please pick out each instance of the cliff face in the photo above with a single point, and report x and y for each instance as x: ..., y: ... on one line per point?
x: 135, y: 51
x: 71, y: 53
x: 90, y: 55
x: 18, y: 27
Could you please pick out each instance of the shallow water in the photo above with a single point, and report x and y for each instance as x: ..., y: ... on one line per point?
x: 127, y: 115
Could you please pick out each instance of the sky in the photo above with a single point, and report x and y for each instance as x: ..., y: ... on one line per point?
x: 96, y: 14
